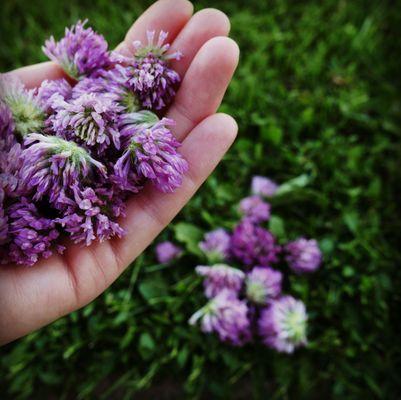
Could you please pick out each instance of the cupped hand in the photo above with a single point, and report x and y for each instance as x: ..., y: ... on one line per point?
x: 31, y: 297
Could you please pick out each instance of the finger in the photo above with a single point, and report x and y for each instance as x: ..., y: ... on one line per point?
x: 167, y: 15
x: 203, y: 149
x: 33, y: 75
x: 204, y: 84
x: 203, y: 26
x: 26, y: 303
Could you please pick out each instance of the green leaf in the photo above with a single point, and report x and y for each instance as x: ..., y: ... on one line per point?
x: 293, y: 184
x: 276, y: 227
x: 152, y: 288
x: 190, y: 235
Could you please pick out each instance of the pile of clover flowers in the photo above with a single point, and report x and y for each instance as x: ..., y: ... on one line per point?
x: 74, y: 149
x: 245, y: 288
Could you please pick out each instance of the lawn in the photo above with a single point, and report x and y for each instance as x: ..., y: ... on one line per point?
x: 317, y: 95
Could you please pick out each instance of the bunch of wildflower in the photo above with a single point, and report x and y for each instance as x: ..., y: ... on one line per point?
x: 74, y: 149
x: 246, y: 300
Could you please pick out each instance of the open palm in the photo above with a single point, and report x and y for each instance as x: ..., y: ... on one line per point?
x: 35, y: 296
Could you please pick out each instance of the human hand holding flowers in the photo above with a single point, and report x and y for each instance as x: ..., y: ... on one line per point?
x: 33, y: 297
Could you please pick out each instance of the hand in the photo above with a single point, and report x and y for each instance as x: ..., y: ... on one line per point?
x: 31, y: 297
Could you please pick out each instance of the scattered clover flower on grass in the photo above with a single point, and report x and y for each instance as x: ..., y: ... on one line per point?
x: 227, y: 316
x: 216, y: 245
x: 73, y: 150
x: 303, y: 255
x: 282, y: 325
x: 167, y: 251
x: 253, y: 245
x: 255, y: 209
x: 263, y: 284
x: 220, y: 277
x: 262, y: 186
x: 247, y: 300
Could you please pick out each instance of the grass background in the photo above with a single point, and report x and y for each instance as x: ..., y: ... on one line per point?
x: 317, y: 94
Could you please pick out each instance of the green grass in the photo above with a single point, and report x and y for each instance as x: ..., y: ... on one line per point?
x: 316, y: 94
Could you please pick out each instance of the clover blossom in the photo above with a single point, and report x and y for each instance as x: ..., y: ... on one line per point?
x: 87, y: 216
x: 150, y: 76
x: 89, y: 119
x: 255, y: 209
x: 216, y: 245
x: 52, y: 164
x: 262, y: 186
x: 114, y: 84
x: 282, y: 325
x: 30, y: 235
x: 10, y: 152
x: 3, y: 217
x: 227, y: 316
x: 11, y: 162
x: 48, y: 89
x: 7, y: 126
x: 27, y: 113
x: 152, y: 152
x: 167, y: 252
x: 220, y: 277
x: 253, y: 245
x: 263, y: 284
x: 80, y: 52
x: 303, y: 255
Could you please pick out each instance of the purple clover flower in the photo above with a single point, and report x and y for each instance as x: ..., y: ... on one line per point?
x: 27, y: 113
x: 152, y: 152
x: 10, y: 152
x: 149, y: 76
x: 227, y: 316
x: 255, y: 209
x: 167, y: 252
x: 7, y: 138
x: 50, y: 90
x: 254, y: 245
x: 282, y: 325
x: 10, y: 155
x: 52, y: 164
x: 220, y: 277
x: 85, y: 217
x: 216, y: 245
x: 263, y: 284
x: 3, y: 218
x: 262, y: 186
x: 114, y: 84
x: 303, y: 255
x: 11, y: 162
x: 30, y: 235
x: 80, y: 52
x: 50, y: 138
x: 89, y: 119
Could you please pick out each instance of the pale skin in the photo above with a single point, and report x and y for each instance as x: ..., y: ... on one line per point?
x: 34, y: 297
